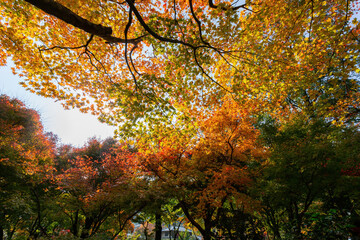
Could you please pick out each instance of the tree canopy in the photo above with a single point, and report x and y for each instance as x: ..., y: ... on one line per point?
x: 145, y: 64
x: 243, y: 116
x: 26, y: 156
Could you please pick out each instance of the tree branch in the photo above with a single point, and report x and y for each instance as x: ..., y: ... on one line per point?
x: 150, y: 31
x: 205, y: 73
x: 125, y: 52
x: 70, y: 48
x: 65, y: 14
x: 197, y: 21
x: 212, y: 5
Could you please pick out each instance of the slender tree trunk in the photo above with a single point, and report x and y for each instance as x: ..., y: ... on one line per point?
x: 86, y: 231
x: 158, y: 228
x: 2, y: 221
x: 205, y: 231
x: 146, y: 233
x: 298, y: 228
x: 207, y: 223
x: 1, y: 232
x: 75, y: 224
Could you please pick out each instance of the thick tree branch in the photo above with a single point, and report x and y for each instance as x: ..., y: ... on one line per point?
x: 65, y: 14
x: 185, y: 209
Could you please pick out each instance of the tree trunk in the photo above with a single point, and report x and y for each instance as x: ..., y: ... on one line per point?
x: 1, y: 232
x: 158, y: 228
x: 86, y: 231
x: 206, y: 236
x: 75, y: 224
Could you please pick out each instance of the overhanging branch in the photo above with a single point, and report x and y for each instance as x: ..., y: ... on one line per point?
x: 65, y: 14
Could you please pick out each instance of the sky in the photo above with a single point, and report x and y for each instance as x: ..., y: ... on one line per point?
x: 71, y: 126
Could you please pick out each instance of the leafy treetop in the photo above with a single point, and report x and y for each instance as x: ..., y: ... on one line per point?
x: 151, y: 63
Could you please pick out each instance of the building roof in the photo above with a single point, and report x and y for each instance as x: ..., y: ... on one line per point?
x: 180, y: 229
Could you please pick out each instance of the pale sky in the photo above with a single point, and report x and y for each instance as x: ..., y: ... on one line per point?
x: 71, y: 126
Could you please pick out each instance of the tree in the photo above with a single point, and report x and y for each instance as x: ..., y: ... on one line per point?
x: 26, y: 154
x: 97, y: 189
x: 150, y: 62
x: 212, y: 170
x: 186, y: 80
x: 304, y: 191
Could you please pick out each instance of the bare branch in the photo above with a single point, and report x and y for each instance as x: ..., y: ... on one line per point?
x: 206, y: 74
x: 70, y: 48
x: 101, y: 64
x: 46, y: 63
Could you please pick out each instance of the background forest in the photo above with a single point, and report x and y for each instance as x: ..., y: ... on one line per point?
x: 236, y: 120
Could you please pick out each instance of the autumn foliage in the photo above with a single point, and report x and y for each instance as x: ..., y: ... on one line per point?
x: 24, y: 145
x: 149, y: 60
x: 212, y: 169
x: 242, y: 116
x: 26, y: 156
